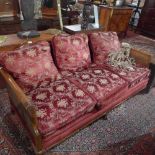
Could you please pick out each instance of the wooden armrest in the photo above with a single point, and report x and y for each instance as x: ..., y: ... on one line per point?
x: 141, y: 57
x: 23, y: 107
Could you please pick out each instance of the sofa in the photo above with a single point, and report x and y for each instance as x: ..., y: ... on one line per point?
x: 62, y: 86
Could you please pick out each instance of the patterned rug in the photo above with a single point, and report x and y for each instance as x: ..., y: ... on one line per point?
x: 116, y: 135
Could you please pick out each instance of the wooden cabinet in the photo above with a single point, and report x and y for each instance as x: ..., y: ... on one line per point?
x: 9, y: 25
x: 8, y: 8
x: 115, y: 18
x: 9, y: 21
x: 146, y: 23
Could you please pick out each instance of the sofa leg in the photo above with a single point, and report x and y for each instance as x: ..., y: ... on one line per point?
x: 13, y: 110
x: 104, y: 117
x: 151, y: 82
x: 39, y: 153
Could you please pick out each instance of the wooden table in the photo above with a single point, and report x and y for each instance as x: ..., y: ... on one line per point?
x: 14, y: 42
x: 72, y: 29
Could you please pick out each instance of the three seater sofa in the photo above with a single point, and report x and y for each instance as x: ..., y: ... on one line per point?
x: 60, y: 87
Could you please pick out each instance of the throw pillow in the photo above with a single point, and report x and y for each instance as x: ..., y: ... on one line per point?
x: 102, y: 43
x: 30, y: 63
x: 71, y: 52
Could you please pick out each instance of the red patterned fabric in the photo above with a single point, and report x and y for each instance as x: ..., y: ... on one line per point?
x: 97, y: 81
x: 133, y: 77
x: 102, y: 43
x: 30, y: 63
x: 58, y: 103
x: 71, y: 52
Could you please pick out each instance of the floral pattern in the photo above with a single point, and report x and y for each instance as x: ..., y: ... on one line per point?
x: 133, y: 77
x: 58, y: 103
x: 30, y: 64
x: 102, y: 43
x: 14, y: 138
x: 71, y: 52
x: 93, y: 137
x: 97, y: 82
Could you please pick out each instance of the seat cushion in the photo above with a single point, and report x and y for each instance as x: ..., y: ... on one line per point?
x: 97, y: 81
x: 58, y: 103
x: 30, y: 63
x: 134, y: 76
x: 102, y: 43
x: 71, y: 52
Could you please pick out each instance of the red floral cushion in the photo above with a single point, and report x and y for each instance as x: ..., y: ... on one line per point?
x: 30, y: 63
x: 102, y: 43
x: 133, y: 77
x: 58, y: 103
x: 71, y: 52
x: 98, y: 82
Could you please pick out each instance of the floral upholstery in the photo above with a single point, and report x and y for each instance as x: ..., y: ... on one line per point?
x: 102, y: 43
x: 71, y: 52
x: 82, y: 92
x: 134, y: 76
x: 97, y: 81
x: 30, y: 63
x: 58, y: 103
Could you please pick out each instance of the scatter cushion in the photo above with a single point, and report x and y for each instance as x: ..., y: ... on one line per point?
x: 98, y: 82
x: 58, y: 103
x: 71, y: 52
x: 102, y: 43
x: 30, y: 63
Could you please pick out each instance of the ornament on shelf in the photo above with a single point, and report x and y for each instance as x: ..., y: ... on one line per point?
x: 86, y: 14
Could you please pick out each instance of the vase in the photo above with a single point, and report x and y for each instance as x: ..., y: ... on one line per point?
x: 86, y: 15
x: 29, y: 23
x: 38, y: 4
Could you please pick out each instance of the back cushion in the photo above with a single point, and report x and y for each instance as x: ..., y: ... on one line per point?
x: 71, y: 52
x: 30, y: 64
x: 102, y: 43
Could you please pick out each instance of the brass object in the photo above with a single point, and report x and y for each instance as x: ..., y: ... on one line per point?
x: 60, y: 14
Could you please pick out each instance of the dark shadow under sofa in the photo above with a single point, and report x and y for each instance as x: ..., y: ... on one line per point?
x: 55, y: 99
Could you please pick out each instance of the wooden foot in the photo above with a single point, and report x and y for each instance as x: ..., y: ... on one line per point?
x: 13, y: 110
x: 104, y: 117
x: 151, y: 82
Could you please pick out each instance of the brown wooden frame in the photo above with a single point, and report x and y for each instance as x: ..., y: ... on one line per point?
x: 141, y: 57
x: 27, y: 112
x: 21, y: 103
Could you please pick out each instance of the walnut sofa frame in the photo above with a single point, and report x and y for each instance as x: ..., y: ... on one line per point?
x: 27, y: 113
